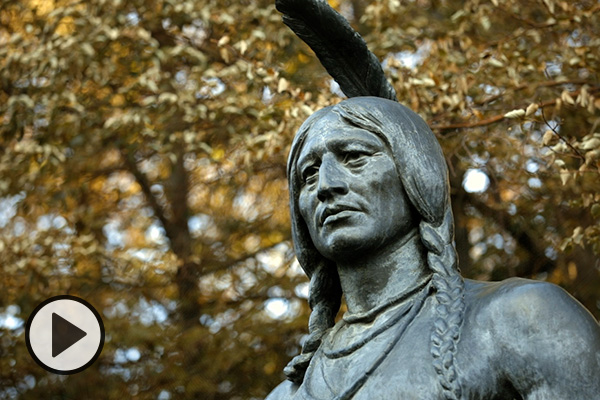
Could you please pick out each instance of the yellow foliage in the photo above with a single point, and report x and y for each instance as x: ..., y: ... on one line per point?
x: 42, y: 7
x: 117, y: 100
x: 66, y: 26
x: 218, y: 154
x: 160, y: 130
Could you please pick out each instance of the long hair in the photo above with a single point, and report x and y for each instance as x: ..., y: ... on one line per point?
x: 424, y: 175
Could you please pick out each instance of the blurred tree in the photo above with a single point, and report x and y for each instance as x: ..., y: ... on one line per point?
x: 142, y: 167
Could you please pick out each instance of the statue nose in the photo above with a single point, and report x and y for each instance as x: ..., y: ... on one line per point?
x: 332, y: 180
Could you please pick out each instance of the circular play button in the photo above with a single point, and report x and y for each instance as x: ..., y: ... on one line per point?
x: 64, y: 334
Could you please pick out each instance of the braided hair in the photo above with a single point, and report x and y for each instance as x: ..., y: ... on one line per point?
x: 449, y: 285
x: 424, y: 175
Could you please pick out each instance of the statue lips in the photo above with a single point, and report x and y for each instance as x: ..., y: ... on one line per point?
x: 336, y: 212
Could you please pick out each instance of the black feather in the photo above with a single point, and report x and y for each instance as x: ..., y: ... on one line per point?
x: 341, y: 50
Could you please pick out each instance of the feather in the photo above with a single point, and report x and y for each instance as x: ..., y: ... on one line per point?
x: 341, y: 50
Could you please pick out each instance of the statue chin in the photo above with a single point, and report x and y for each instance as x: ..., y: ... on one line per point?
x: 346, y: 243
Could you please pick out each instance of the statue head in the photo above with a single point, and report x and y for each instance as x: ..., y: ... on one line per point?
x: 420, y: 199
x: 417, y: 155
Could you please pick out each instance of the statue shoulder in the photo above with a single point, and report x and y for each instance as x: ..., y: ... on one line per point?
x: 284, y: 391
x: 525, y: 302
x: 543, y: 340
x: 529, y: 307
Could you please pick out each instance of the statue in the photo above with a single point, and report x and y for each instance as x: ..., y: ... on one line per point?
x: 371, y: 219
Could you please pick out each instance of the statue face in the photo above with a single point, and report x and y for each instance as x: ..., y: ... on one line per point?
x: 351, y: 196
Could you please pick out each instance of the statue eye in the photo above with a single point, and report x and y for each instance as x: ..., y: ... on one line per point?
x: 310, y: 174
x: 355, y: 158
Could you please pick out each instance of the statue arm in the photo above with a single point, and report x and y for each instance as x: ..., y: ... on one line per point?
x: 553, y: 344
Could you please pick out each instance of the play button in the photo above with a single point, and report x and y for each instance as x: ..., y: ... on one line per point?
x: 64, y: 334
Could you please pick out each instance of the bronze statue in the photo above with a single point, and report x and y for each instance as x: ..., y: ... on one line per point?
x: 371, y: 219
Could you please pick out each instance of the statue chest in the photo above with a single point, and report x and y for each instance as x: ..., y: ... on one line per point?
x: 391, y: 358
x: 387, y: 359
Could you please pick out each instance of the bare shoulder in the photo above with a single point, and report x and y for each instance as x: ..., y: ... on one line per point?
x: 285, y: 390
x: 529, y: 306
x: 541, y: 340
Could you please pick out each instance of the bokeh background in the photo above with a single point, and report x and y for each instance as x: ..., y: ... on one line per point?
x: 143, y: 146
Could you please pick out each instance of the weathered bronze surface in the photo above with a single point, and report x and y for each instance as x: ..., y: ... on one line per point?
x: 371, y: 219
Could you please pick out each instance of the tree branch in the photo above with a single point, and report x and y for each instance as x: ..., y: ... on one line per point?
x: 520, y: 87
x: 144, y: 183
x: 497, y: 118
x: 538, y: 261
x: 217, y: 266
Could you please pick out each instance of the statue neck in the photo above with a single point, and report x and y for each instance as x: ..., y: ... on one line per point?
x: 378, y: 279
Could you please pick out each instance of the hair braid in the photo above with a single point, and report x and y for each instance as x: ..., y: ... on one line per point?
x: 443, y: 261
x: 324, y: 299
x: 424, y: 175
